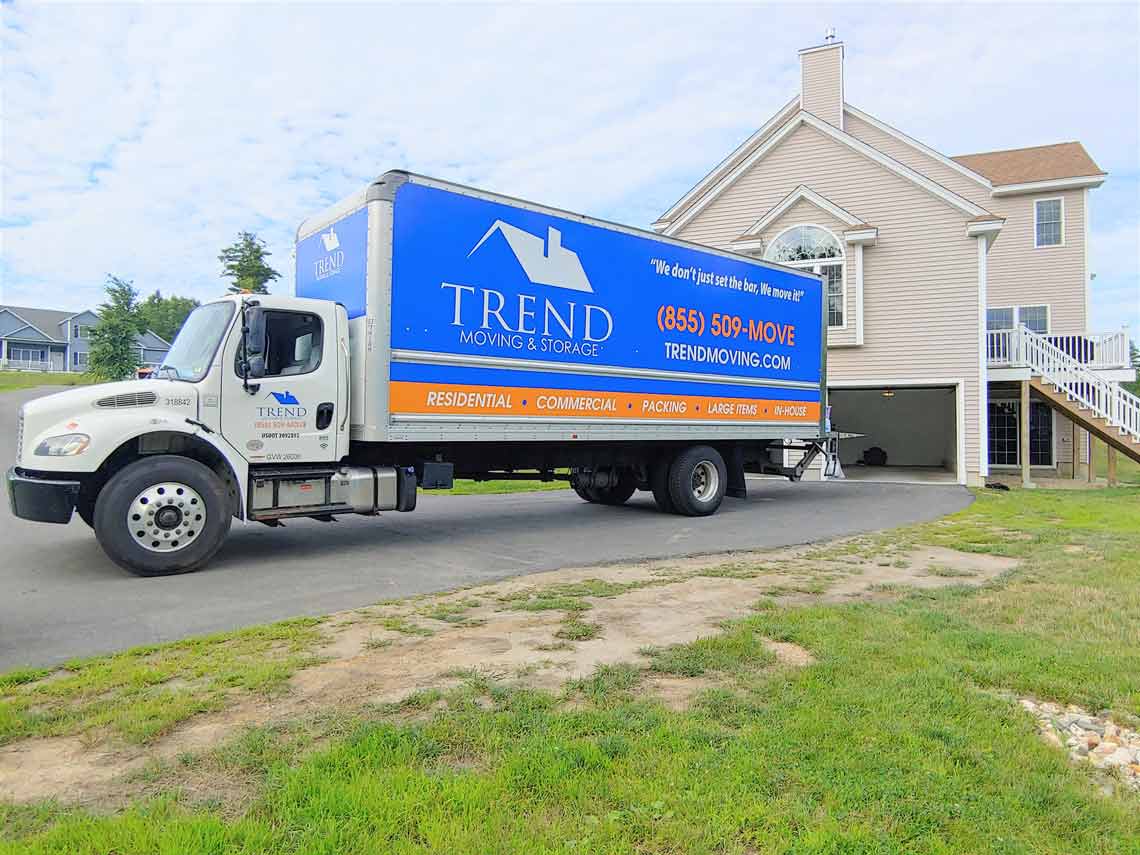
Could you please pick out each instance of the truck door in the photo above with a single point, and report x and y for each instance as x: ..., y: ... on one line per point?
x: 298, y: 410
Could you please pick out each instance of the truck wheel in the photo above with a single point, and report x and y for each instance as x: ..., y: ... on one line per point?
x: 584, y: 493
x: 162, y: 515
x: 619, y: 493
x: 698, y: 479
x: 659, y: 484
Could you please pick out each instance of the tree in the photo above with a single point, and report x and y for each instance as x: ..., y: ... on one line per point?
x: 1133, y: 357
x: 164, y: 316
x: 114, y: 350
x: 244, y: 262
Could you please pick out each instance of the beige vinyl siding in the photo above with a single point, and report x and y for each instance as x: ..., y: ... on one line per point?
x: 920, y: 162
x: 1022, y: 274
x: 920, y: 279
x: 822, y: 84
x: 1019, y: 273
x: 804, y: 212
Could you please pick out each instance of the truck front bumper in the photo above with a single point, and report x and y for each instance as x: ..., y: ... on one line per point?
x: 41, y: 500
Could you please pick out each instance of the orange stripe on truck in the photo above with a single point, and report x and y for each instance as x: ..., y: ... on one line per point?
x: 453, y: 399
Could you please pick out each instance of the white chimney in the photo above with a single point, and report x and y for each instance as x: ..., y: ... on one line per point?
x: 821, y: 80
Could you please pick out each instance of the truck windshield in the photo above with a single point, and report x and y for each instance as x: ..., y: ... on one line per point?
x: 193, y: 350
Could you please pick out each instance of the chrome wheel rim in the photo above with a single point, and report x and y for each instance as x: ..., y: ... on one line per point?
x: 166, y: 517
x: 706, y: 481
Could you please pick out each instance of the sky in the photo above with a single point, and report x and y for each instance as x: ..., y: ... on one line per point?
x: 139, y: 140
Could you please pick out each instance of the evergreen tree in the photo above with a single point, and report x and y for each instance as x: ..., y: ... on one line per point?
x: 244, y: 261
x: 114, y: 351
x: 164, y: 316
x: 1133, y: 386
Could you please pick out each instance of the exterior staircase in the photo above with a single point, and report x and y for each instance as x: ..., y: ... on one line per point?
x: 1102, y: 407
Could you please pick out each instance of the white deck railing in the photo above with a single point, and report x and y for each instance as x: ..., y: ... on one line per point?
x: 1098, y: 351
x: 26, y: 365
x: 1069, y: 373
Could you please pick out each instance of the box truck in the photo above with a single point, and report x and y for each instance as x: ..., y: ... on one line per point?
x: 441, y: 332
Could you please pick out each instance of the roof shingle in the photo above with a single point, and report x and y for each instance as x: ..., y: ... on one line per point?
x: 1037, y: 163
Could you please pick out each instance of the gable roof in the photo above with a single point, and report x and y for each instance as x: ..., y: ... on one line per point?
x: 719, y: 171
x: 949, y: 162
x: 1033, y: 164
x: 44, y: 321
x: 807, y: 194
x: 803, y: 118
x: 47, y: 322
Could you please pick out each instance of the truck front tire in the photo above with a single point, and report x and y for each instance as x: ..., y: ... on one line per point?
x: 162, y: 515
x: 698, y: 479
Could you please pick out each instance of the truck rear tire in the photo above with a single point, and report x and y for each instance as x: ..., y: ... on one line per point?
x: 659, y: 484
x: 698, y: 479
x: 619, y: 493
x: 162, y: 515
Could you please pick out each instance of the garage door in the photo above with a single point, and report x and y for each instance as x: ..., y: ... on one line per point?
x: 915, y: 426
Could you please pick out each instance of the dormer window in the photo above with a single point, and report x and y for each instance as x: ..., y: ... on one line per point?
x: 1049, y: 222
x: 816, y: 249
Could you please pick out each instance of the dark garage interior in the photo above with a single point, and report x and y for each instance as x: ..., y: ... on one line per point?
x: 916, y: 427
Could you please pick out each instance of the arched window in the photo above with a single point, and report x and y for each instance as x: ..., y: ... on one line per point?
x: 814, y: 248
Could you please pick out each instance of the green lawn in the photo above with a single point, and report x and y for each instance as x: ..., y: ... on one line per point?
x: 10, y: 380
x: 904, y: 736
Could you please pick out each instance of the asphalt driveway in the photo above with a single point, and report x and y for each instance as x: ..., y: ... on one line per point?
x: 61, y: 598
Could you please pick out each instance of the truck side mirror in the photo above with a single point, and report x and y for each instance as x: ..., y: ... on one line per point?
x: 257, y: 366
x: 255, y: 337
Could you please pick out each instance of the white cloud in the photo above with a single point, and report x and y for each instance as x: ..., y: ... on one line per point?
x: 139, y: 140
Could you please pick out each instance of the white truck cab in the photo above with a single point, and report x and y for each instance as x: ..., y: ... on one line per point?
x: 159, y: 467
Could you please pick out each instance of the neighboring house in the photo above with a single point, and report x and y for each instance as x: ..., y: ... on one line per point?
x: 957, y: 287
x: 49, y: 340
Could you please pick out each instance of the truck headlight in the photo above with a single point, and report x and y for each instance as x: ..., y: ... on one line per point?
x: 65, y: 445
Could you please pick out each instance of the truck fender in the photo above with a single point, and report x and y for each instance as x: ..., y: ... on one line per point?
x: 238, y: 466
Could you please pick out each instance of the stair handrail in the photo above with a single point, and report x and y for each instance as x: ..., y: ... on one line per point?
x: 1113, y: 403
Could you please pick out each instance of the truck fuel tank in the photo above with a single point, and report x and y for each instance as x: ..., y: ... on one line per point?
x: 280, y: 493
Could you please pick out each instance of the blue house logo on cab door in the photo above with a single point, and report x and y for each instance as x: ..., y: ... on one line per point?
x: 287, y: 407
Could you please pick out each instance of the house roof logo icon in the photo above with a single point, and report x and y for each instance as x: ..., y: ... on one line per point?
x: 330, y: 240
x: 545, y: 262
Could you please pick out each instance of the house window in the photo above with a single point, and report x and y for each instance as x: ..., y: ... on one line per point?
x: 27, y: 354
x: 807, y: 247
x: 1049, y: 222
x: 834, y: 274
x: 999, y: 319
x: 79, y: 360
x: 1003, y: 433
x: 83, y: 331
x: 1004, y: 438
x: 1034, y: 317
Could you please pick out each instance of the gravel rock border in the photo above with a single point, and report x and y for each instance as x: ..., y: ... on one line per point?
x: 1089, y: 737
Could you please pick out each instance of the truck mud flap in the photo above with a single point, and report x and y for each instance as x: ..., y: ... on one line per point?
x: 406, y: 488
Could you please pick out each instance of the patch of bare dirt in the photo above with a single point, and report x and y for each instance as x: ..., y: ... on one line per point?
x: 375, y: 656
x: 788, y: 653
x: 61, y: 767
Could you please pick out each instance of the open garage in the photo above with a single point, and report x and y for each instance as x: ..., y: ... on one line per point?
x: 916, y: 427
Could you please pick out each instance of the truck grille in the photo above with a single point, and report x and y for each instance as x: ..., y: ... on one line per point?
x: 128, y: 399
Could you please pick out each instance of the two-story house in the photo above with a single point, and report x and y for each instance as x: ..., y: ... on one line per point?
x: 50, y: 340
x: 958, y: 288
